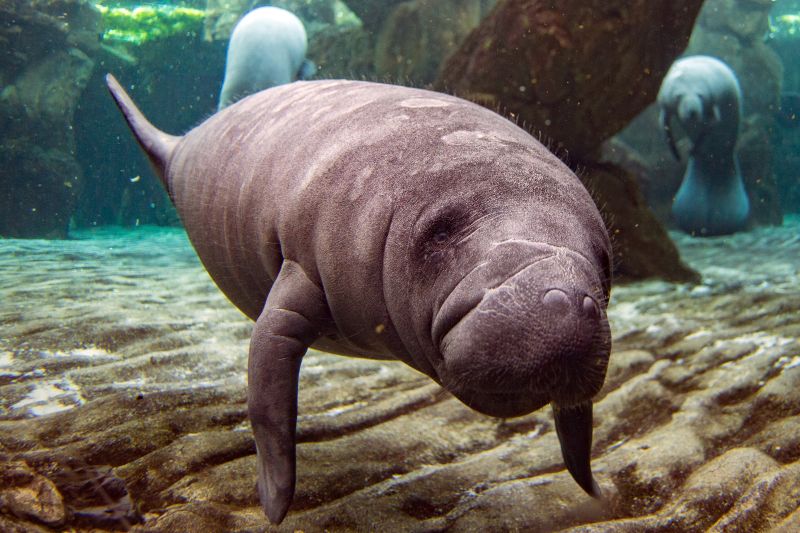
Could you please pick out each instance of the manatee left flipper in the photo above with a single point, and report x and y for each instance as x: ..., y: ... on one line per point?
x: 288, y: 325
x: 574, y: 429
x: 664, y: 117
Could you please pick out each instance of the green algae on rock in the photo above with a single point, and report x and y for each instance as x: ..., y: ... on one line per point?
x: 148, y: 23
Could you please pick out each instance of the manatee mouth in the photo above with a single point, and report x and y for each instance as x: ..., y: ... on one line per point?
x: 462, y: 301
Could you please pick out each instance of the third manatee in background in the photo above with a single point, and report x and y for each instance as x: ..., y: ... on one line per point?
x: 267, y: 48
x: 703, y: 95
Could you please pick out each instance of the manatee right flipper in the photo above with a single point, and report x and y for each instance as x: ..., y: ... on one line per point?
x: 574, y: 430
x: 287, y: 326
x: 664, y: 120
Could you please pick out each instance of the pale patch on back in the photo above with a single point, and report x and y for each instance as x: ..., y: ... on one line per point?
x: 466, y: 137
x: 417, y: 103
x: 360, y: 183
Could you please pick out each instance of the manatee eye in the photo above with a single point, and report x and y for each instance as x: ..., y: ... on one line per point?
x: 435, y: 242
x: 437, y: 236
x: 440, y: 237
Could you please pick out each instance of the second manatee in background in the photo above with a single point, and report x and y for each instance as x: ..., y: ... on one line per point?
x: 267, y: 48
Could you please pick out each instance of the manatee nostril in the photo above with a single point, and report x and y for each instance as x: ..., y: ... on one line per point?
x: 556, y: 301
x: 590, y: 308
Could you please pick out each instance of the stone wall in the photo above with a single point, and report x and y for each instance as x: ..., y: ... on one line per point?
x: 418, y: 35
x: 576, y: 71
x: 785, y: 40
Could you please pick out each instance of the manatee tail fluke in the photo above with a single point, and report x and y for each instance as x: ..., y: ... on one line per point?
x: 157, y: 145
x: 574, y: 429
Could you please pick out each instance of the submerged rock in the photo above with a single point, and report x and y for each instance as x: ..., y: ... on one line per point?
x: 578, y: 72
x: 30, y: 496
x: 640, y: 243
x: 418, y: 35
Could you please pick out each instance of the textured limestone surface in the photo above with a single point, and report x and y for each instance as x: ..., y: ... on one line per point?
x: 122, y: 388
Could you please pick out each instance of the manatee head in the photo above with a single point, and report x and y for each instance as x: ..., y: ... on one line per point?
x: 504, y: 282
x: 497, y: 274
x: 690, y: 108
x: 506, y: 285
x: 692, y: 113
x: 526, y: 327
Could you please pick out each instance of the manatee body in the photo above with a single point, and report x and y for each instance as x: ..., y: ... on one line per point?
x: 267, y: 48
x: 394, y: 223
x: 703, y: 95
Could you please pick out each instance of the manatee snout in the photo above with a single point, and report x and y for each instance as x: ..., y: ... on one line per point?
x: 538, y: 336
x: 511, y: 345
x: 691, y: 114
x: 690, y: 108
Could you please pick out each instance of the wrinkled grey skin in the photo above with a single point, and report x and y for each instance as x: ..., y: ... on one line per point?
x: 703, y: 95
x: 394, y: 223
x: 267, y: 48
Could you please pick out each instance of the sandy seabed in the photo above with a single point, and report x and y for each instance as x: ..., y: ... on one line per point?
x: 122, y: 390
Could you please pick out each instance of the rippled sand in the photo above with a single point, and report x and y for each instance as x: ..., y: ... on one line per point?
x: 122, y: 375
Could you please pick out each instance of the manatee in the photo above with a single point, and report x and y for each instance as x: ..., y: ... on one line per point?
x: 703, y: 95
x: 267, y: 48
x: 386, y: 222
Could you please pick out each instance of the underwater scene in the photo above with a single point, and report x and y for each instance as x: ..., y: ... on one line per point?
x: 400, y: 265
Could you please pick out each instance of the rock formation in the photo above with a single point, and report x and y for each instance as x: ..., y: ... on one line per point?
x: 47, y: 63
x: 373, y: 13
x: 577, y: 71
x: 418, y: 35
